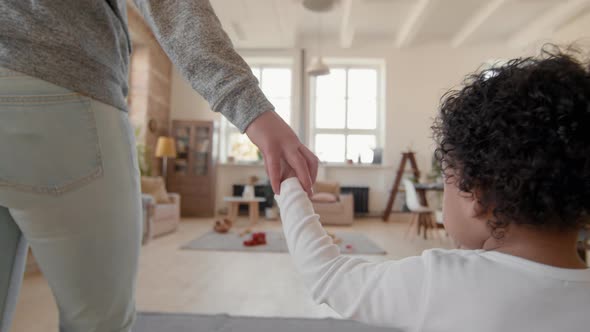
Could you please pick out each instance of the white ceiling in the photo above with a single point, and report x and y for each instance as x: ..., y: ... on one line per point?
x: 398, y: 23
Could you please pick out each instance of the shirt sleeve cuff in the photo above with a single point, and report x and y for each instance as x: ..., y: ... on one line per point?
x: 288, y: 186
x: 243, y: 105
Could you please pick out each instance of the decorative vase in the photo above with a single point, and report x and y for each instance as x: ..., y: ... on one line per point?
x: 248, y: 191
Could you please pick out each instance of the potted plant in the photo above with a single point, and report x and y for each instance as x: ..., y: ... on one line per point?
x: 435, y: 174
x: 249, y: 192
x: 143, y: 151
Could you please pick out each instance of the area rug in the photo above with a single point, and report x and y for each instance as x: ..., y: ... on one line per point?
x: 352, y: 243
x: 172, y: 322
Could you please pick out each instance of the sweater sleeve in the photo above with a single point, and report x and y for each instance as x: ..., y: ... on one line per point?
x: 192, y: 36
x: 389, y: 293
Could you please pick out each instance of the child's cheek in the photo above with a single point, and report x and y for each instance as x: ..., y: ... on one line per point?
x: 455, y: 215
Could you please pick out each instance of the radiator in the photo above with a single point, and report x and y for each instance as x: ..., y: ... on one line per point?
x: 361, y: 198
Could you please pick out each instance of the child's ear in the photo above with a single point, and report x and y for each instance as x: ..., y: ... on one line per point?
x: 478, y: 210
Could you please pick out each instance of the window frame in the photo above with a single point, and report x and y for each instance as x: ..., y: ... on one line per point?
x: 378, y: 132
x: 226, y: 128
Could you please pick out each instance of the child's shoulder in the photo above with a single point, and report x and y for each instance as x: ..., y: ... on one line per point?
x: 438, y: 253
x: 453, y: 257
x: 495, y: 263
x: 456, y: 264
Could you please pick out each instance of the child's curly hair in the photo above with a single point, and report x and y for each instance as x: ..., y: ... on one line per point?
x: 517, y: 136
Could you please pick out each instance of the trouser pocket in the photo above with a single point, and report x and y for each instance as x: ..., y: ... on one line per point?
x: 48, y: 144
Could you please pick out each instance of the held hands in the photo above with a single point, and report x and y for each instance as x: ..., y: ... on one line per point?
x: 283, y: 152
x: 287, y: 172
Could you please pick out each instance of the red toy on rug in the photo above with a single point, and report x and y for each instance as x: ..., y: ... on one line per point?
x: 257, y: 239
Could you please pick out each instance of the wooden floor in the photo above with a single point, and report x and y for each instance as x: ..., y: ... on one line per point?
x: 251, y: 284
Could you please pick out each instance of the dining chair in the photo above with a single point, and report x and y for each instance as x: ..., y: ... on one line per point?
x: 422, y: 216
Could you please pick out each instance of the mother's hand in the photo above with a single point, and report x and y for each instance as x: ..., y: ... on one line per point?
x: 277, y: 141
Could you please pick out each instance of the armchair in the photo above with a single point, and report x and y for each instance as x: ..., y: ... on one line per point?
x: 333, y: 207
x: 160, y: 218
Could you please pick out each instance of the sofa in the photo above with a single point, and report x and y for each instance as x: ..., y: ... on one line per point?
x: 333, y: 207
x: 161, y: 210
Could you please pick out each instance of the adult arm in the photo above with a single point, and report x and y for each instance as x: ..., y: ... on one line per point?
x: 192, y: 36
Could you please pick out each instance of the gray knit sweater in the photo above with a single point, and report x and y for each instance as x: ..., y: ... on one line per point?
x: 84, y: 45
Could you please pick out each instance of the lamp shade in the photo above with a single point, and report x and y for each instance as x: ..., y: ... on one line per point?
x: 165, y: 147
x: 318, y: 68
x: 319, y: 5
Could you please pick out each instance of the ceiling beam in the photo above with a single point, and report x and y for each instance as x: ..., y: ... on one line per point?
x: 547, y: 24
x: 347, y: 28
x: 230, y: 25
x: 237, y: 31
x: 286, y: 22
x: 411, y: 27
x: 233, y: 31
x: 475, y: 22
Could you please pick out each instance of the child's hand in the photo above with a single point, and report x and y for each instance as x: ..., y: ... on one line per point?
x: 287, y: 171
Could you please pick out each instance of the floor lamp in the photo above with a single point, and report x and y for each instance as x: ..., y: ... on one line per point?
x: 165, y: 148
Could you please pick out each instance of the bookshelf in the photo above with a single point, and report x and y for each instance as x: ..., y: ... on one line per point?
x: 192, y: 172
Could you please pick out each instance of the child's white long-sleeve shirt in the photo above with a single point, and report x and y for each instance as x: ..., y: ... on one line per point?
x: 441, y: 290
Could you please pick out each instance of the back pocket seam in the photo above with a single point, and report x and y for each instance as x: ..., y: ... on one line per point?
x: 97, y: 172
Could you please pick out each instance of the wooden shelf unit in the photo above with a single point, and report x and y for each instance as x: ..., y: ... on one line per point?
x: 192, y: 172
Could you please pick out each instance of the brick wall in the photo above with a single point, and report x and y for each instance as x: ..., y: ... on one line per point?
x: 149, y: 86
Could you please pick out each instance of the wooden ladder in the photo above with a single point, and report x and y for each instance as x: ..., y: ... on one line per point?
x: 406, y: 156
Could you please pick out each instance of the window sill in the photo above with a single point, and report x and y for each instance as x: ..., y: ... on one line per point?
x: 354, y: 166
x: 325, y: 165
x: 242, y: 164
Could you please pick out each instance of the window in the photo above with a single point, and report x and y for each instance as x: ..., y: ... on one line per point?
x: 345, y: 114
x: 275, y: 82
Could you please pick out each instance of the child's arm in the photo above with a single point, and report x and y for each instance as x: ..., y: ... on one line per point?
x: 389, y: 293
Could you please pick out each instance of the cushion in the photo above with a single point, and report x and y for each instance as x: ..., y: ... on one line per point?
x: 165, y: 211
x: 327, y: 187
x: 322, y: 197
x: 326, y: 208
x: 155, y: 187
